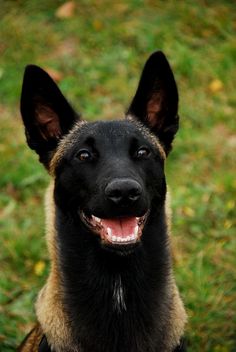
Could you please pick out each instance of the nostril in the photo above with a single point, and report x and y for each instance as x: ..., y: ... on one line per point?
x: 115, y: 195
x: 134, y: 193
x: 134, y: 196
x: 123, y: 190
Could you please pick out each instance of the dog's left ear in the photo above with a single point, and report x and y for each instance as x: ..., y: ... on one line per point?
x: 156, y: 100
x: 46, y: 113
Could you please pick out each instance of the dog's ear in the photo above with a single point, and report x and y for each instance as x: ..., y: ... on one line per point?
x: 46, y: 114
x: 156, y: 100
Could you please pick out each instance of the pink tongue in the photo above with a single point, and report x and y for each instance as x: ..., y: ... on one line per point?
x: 121, y: 227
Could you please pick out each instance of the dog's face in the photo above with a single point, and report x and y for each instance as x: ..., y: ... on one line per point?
x: 108, y: 175
x: 105, y: 178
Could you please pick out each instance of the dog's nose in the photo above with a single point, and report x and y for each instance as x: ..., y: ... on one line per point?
x: 123, y: 191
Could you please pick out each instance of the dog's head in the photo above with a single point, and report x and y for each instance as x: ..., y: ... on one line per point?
x: 108, y: 175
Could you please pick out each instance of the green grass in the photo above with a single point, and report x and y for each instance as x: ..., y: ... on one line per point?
x: 99, y: 53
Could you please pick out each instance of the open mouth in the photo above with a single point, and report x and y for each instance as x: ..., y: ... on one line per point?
x: 116, y: 231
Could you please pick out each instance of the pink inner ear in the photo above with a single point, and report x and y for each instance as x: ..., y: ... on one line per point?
x: 154, y: 108
x: 48, y: 122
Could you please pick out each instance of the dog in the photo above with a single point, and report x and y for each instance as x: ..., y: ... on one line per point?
x: 111, y: 286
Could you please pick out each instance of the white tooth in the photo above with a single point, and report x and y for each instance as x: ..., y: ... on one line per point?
x: 136, y: 231
x: 95, y: 218
x: 114, y: 238
x: 119, y: 239
x: 133, y: 237
x: 128, y: 238
x: 109, y: 231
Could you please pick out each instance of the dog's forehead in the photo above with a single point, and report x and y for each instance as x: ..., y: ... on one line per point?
x: 106, y: 133
x: 109, y: 131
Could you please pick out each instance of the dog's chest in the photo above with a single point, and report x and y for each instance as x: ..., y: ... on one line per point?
x: 119, y: 303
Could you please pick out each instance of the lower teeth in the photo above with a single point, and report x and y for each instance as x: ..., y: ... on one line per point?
x: 123, y: 239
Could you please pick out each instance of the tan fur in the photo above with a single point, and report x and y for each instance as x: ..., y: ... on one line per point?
x: 32, y: 341
x: 49, y: 307
x: 178, y: 314
x: 178, y: 317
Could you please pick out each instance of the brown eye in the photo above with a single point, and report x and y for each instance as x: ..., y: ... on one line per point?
x: 143, y: 153
x: 84, y: 155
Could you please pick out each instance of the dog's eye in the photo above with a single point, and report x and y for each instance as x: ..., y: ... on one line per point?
x: 142, y: 153
x: 84, y: 155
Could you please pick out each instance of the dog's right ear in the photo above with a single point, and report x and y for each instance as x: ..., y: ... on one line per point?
x: 46, y: 114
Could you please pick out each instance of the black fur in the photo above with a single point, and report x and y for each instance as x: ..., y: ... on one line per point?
x: 116, y: 296
x: 90, y: 277
x: 44, y: 347
x: 98, y: 269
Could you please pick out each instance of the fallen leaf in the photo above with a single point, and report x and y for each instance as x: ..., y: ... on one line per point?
x: 230, y: 204
x: 97, y: 25
x: 56, y: 75
x: 215, y: 86
x: 39, y: 268
x: 188, y: 211
x: 66, y: 10
x: 206, y: 33
x: 228, y: 224
x: 121, y: 8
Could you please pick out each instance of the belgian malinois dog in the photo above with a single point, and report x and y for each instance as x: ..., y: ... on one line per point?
x: 111, y: 286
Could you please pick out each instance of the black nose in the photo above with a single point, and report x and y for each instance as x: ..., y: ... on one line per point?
x: 123, y: 191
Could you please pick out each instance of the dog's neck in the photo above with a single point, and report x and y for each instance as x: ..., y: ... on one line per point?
x: 95, y: 300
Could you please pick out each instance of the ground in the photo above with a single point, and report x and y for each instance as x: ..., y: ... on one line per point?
x: 95, y: 50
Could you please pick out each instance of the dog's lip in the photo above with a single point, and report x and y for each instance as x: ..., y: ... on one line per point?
x: 107, y: 228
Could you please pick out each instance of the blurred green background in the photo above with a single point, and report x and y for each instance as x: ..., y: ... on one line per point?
x: 96, y: 50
